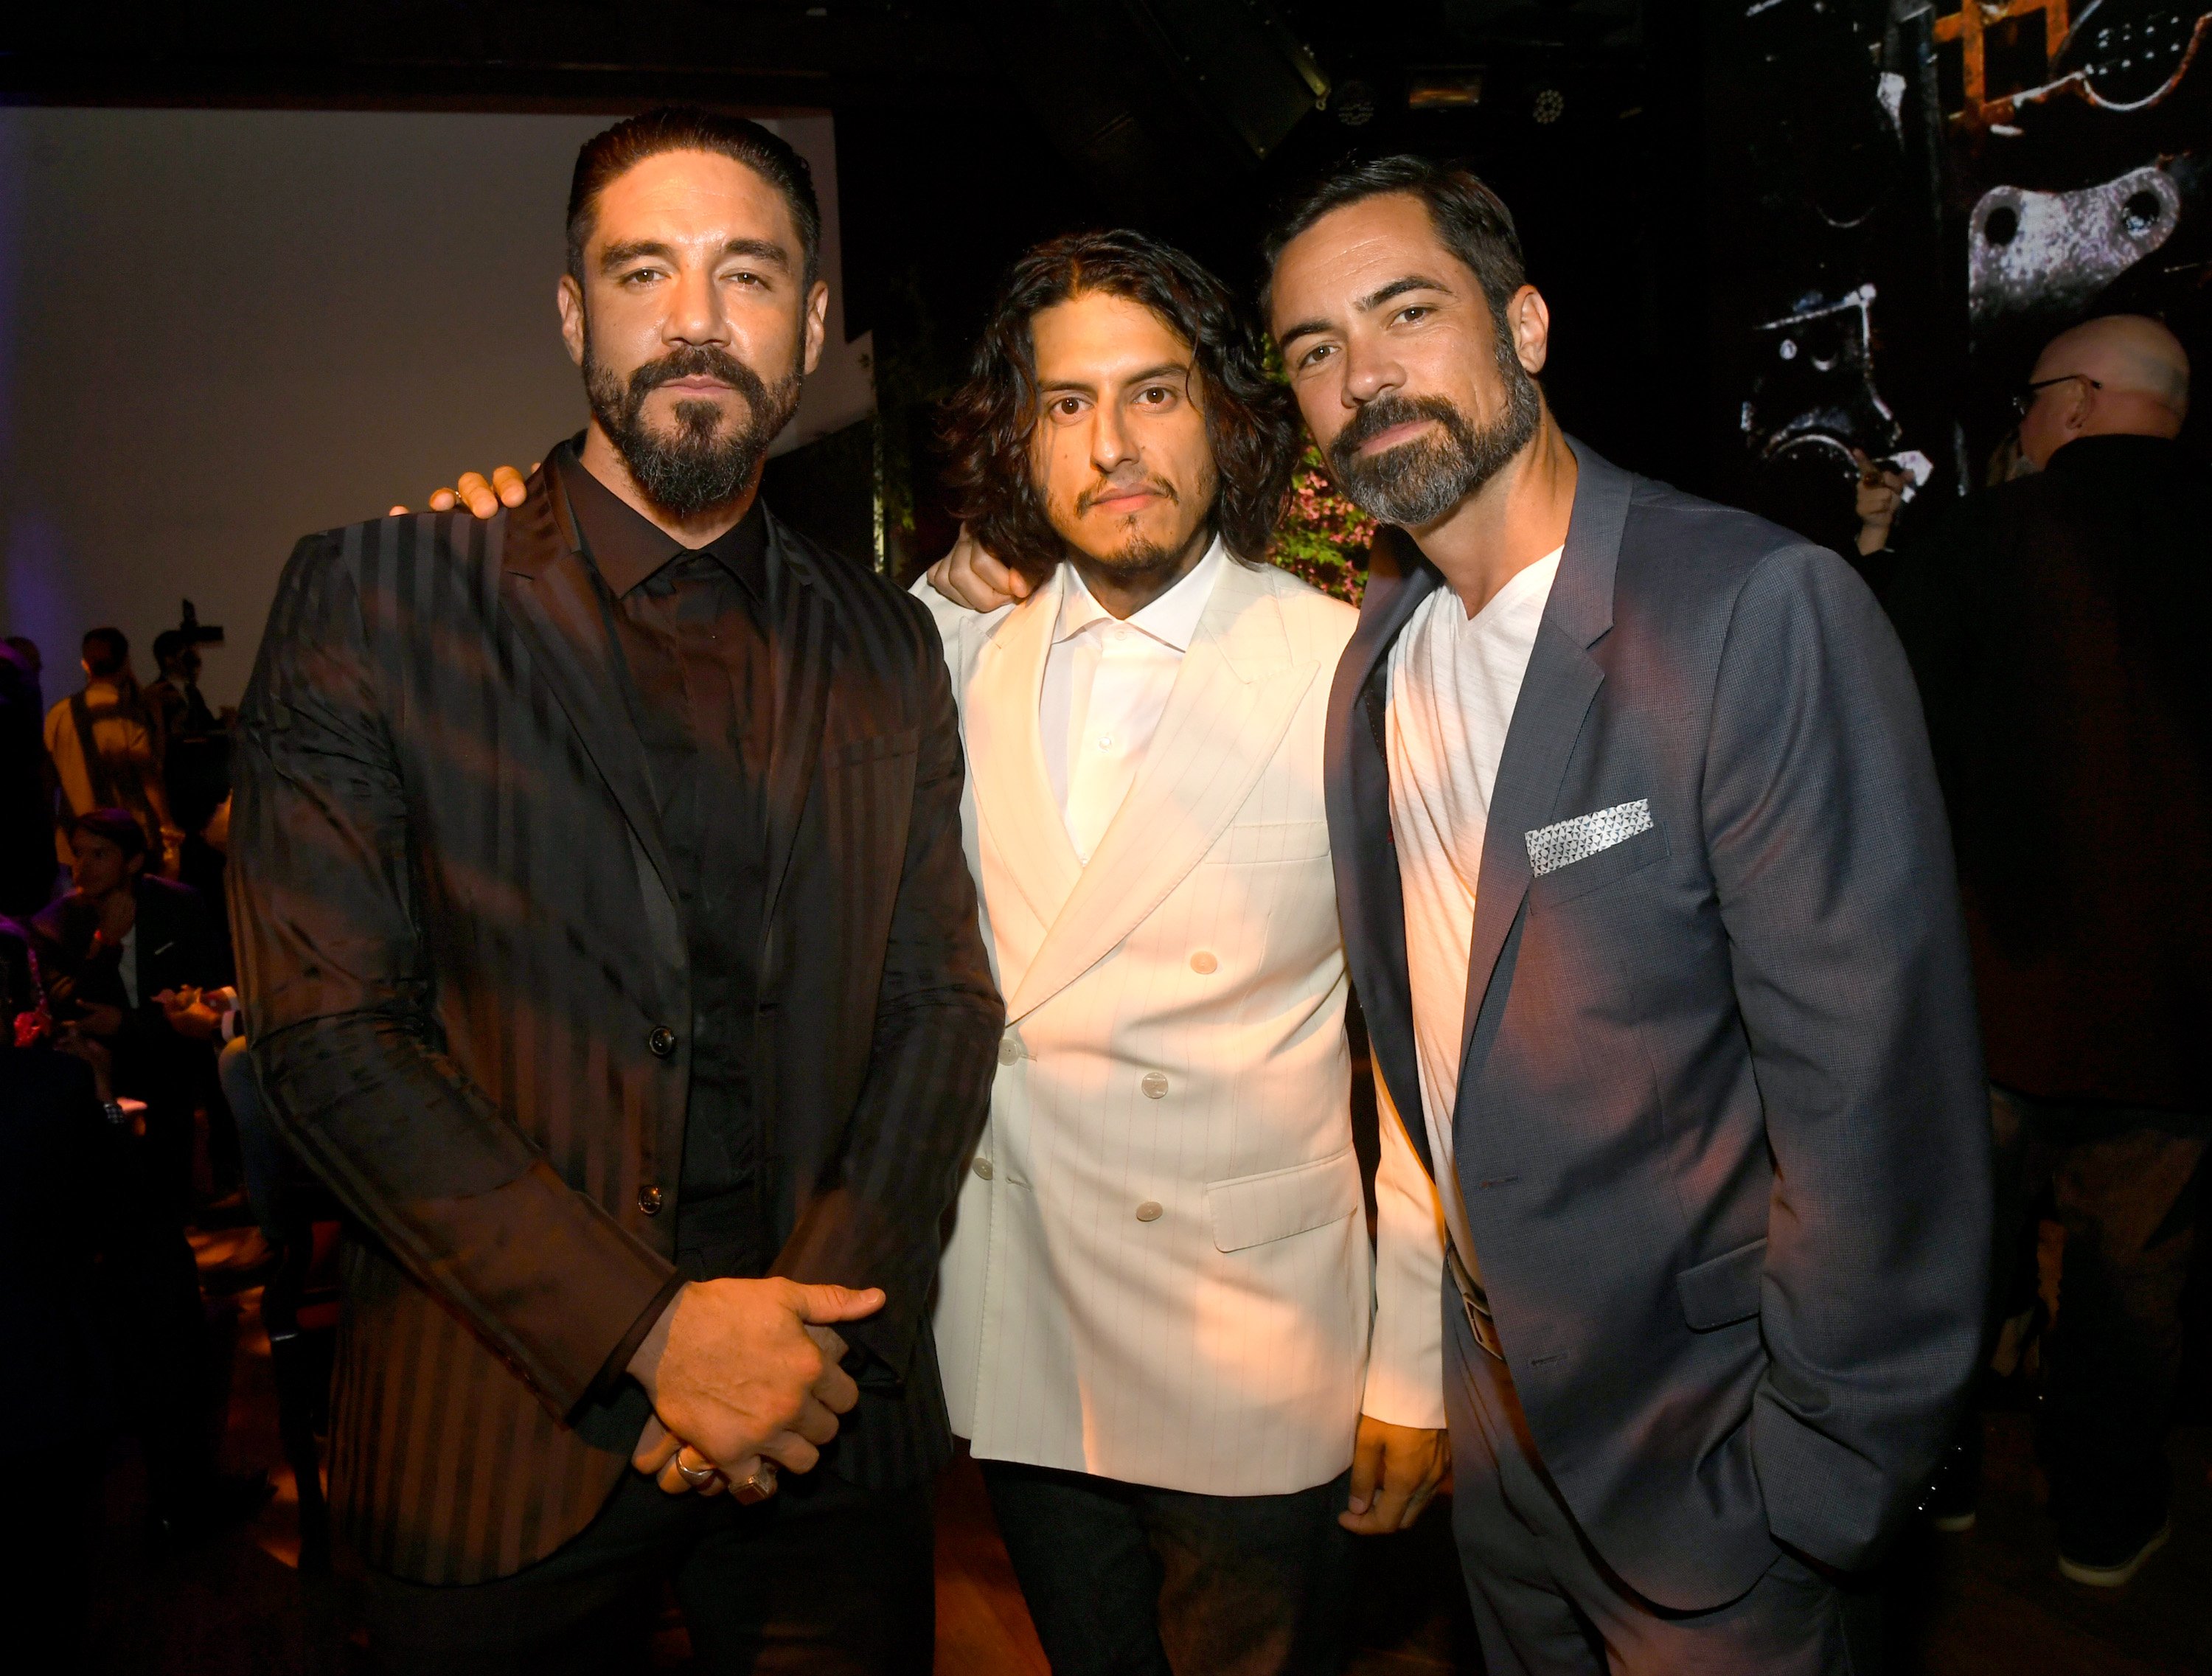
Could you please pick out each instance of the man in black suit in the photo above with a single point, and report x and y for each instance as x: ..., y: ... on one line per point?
x: 1647, y: 894
x: 2056, y: 625
x: 609, y: 951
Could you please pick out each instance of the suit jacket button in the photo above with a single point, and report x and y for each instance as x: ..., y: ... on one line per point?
x: 1008, y: 1053
x: 1155, y: 1085
x: 648, y: 1199
x: 661, y: 1040
x: 983, y: 1167
x: 1149, y: 1212
x: 1203, y: 963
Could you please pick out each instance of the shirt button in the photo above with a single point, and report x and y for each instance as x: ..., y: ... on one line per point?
x: 1203, y: 961
x: 1105, y: 741
x: 648, y: 1199
x: 1149, y: 1212
x: 1008, y: 1051
x: 661, y: 1040
x: 983, y: 1167
x: 1155, y: 1086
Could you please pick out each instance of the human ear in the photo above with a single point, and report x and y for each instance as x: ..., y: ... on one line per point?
x: 816, y: 324
x: 569, y: 298
x: 1530, y: 323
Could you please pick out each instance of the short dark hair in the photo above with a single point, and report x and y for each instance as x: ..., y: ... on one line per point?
x: 118, y: 826
x: 607, y: 156
x: 988, y: 422
x: 106, y: 652
x: 168, y: 643
x: 1471, y: 220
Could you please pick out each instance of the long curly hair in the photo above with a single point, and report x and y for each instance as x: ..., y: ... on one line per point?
x: 986, y: 425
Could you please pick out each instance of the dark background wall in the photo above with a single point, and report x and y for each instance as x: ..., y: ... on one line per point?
x: 1759, y: 222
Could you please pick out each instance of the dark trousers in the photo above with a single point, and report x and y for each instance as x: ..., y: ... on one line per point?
x: 1544, y: 1603
x: 1123, y: 1580
x: 823, y: 1578
x: 2125, y: 1182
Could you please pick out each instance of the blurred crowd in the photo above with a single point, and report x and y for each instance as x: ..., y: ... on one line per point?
x: 129, y: 1116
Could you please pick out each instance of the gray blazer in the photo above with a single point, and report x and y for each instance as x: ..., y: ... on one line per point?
x: 1720, y: 1129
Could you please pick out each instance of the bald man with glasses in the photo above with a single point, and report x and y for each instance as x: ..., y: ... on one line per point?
x: 2056, y: 625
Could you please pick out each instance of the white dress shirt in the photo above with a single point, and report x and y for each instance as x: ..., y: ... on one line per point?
x: 1454, y: 682
x: 1106, y: 682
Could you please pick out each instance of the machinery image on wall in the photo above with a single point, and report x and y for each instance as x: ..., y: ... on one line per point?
x: 1912, y: 200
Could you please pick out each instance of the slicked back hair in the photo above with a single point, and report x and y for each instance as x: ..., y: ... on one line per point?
x: 1471, y: 220
x: 1251, y: 422
x: 608, y: 155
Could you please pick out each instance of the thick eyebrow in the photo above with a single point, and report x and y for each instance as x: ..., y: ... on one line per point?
x: 1166, y: 369
x: 765, y: 250
x: 1367, y: 304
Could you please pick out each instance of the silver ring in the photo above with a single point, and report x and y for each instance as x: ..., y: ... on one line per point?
x: 698, y: 1479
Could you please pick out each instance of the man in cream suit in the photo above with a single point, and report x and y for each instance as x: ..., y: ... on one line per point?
x: 1161, y: 1326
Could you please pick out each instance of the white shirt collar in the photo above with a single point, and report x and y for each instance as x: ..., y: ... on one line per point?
x: 1171, y: 619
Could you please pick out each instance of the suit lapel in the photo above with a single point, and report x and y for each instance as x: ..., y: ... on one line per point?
x: 1369, y: 896
x: 554, y: 602
x: 1232, y: 702
x: 1028, y: 843
x: 803, y: 637
x: 1556, y: 693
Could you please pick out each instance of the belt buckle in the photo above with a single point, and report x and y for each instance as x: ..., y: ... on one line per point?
x: 1479, y: 1320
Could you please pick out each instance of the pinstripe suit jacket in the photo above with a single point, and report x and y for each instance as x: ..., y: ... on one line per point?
x: 457, y: 938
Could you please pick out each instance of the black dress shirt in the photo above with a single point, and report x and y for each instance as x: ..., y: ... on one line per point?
x: 693, y: 664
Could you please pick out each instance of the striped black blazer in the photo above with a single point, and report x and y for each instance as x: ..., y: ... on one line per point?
x: 458, y: 941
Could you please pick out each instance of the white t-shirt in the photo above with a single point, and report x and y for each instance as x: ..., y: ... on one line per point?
x: 1454, y: 682
x: 1106, y: 683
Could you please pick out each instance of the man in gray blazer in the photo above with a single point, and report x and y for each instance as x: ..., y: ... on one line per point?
x: 1647, y: 893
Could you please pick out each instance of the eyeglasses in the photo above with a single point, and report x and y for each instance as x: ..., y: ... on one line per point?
x: 2023, y: 398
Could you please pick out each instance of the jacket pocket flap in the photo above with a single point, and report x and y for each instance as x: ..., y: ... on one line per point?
x: 1722, y: 1289
x: 1252, y: 1210
x: 895, y: 744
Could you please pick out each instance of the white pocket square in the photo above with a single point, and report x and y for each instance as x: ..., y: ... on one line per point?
x: 1565, y: 842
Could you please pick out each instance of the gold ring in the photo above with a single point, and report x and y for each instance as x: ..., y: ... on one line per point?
x: 756, y: 1486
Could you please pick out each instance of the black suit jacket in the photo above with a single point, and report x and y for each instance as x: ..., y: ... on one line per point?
x: 460, y: 947
x: 1720, y: 1128
x: 175, y: 948
x: 2057, y: 625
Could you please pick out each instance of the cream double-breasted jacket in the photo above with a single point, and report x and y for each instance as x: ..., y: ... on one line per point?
x: 1160, y: 1272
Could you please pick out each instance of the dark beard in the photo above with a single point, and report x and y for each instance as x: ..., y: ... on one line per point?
x: 698, y: 469
x: 1135, y: 556
x: 1417, y: 482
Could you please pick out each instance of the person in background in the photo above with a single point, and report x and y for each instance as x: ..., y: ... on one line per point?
x: 128, y: 957
x: 2056, y: 625
x: 27, y: 649
x: 173, y: 701
x: 104, y: 750
x: 26, y: 791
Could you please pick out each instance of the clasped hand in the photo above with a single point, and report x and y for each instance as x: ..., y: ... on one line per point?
x: 740, y: 1371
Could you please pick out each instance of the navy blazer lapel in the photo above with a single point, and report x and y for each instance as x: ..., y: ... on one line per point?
x: 1369, y: 899
x: 803, y: 637
x: 1556, y: 693
x: 554, y: 605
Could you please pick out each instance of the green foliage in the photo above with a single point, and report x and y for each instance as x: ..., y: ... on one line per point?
x: 1323, y: 538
